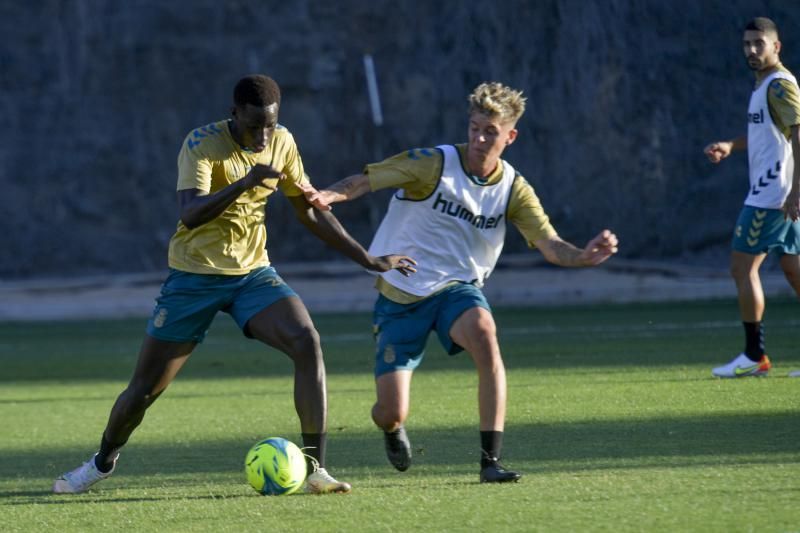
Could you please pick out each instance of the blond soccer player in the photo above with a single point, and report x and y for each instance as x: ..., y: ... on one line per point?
x: 451, y: 211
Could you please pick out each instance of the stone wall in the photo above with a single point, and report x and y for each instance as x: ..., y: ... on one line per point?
x: 623, y: 95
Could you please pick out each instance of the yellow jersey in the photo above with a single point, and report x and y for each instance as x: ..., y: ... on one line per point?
x: 234, y: 243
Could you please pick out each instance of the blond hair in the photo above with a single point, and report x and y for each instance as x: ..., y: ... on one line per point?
x: 497, y: 101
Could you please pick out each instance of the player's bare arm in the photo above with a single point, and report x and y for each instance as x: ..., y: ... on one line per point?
x: 717, y: 151
x: 327, y: 227
x: 791, y: 206
x: 344, y: 190
x: 560, y: 252
x: 196, y: 207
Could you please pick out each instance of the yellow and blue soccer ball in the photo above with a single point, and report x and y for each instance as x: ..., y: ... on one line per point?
x: 275, y: 467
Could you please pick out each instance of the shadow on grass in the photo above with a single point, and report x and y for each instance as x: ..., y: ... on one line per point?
x: 724, y: 440
x: 94, y: 497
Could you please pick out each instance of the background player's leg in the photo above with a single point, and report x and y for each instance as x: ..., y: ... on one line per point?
x: 753, y: 360
x: 744, y: 270
x: 790, y: 264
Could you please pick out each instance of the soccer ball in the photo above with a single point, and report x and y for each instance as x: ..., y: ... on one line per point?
x: 275, y: 466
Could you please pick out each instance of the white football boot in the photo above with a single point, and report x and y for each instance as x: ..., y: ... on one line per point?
x: 321, y: 482
x: 742, y: 366
x: 83, y: 477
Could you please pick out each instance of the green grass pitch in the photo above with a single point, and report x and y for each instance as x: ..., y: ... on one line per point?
x: 613, y: 418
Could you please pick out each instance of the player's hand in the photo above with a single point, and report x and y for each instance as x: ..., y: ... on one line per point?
x: 402, y: 263
x: 259, y: 174
x: 603, y: 246
x: 791, y: 207
x: 718, y: 151
x: 322, y: 200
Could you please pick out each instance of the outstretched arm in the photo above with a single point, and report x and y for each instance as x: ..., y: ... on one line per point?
x: 344, y: 190
x: 560, y: 252
x: 325, y: 226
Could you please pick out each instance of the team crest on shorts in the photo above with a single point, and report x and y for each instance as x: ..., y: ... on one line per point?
x: 275, y: 282
x: 738, y: 231
x: 388, y: 355
x: 160, y: 318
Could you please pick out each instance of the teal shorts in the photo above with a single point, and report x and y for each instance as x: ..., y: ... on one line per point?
x: 401, y: 330
x: 189, y: 302
x: 760, y: 231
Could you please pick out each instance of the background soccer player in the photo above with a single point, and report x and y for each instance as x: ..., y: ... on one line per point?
x: 769, y: 219
x: 218, y: 262
x: 451, y: 214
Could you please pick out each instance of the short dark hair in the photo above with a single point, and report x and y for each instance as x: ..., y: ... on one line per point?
x: 762, y: 24
x: 258, y: 90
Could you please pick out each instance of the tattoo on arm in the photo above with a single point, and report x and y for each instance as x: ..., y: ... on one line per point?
x: 344, y: 186
x: 351, y: 187
x: 564, y: 253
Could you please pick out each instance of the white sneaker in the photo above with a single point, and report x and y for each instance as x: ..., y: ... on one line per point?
x: 795, y: 374
x: 742, y: 366
x: 83, y: 477
x: 321, y: 482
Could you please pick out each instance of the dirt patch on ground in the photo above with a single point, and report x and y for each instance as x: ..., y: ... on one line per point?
x: 343, y: 287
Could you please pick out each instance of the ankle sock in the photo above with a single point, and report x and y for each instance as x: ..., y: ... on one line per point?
x: 104, y: 460
x: 754, y: 340
x: 314, y: 445
x: 491, y: 444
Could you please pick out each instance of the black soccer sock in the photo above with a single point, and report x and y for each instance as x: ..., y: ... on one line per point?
x: 754, y: 340
x: 314, y: 444
x: 104, y: 460
x: 491, y: 444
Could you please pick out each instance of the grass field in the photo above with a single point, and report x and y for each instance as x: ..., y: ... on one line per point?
x: 613, y: 418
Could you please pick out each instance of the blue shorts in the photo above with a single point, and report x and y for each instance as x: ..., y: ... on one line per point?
x: 759, y: 231
x: 189, y: 302
x: 401, y: 330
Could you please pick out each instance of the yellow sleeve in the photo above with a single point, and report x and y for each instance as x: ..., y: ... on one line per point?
x: 292, y: 168
x: 783, y: 98
x: 525, y: 211
x: 194, y: 169
x: 416, y: 171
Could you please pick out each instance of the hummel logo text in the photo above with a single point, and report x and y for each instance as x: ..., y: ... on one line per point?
x: 459, y: 211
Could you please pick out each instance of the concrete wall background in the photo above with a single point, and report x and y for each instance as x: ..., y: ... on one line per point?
x: 98, y: 95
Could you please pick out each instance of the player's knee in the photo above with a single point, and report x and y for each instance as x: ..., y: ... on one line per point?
x: 482, y: 339
x: 303, y: 343
x: 741, y: 272
x: 387, y: 417
x: 486, y: 334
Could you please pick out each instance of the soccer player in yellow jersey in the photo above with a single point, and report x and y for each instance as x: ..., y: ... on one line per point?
x: 770, y: 218
x: 218, y: 262
x: 450, y: 212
